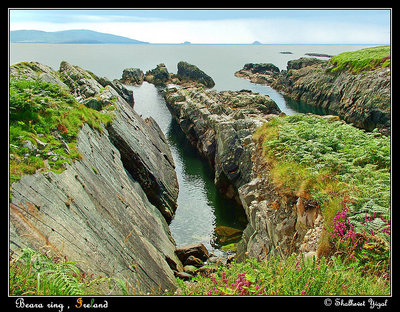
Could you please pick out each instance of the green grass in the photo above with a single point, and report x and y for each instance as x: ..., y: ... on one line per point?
x: 33, y: 273
x: 361, y: 60
x: 44, y: 122
x: 286, y: 277
x: 340, y: 168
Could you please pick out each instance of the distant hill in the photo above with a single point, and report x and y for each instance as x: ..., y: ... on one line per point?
x: 69, y: 36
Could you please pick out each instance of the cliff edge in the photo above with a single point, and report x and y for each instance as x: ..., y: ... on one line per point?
x: 356, y: 86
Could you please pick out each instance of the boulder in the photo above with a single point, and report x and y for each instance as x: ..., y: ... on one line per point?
x: 183, y: 275
x: 192, y: 260
x: 192, y: 72
x: 191, y: 269
x: 132, y: 76
x: 261, y: 68
x: 159, y: 76
x: 196, y: 250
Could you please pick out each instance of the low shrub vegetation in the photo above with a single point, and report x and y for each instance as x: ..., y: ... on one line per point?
x: 292, y: 277
x: 44, y: 122
x: 33, y: 273
x: 347, y: 172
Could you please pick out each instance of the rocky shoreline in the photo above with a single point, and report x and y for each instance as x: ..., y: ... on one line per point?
x: 362, y: 99
x: 220, y: 125
x: 110, y: 209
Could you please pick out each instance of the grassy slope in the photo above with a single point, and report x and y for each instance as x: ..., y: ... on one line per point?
x: 360, y: 60
x: 44, y: 123
x: 345, y: 170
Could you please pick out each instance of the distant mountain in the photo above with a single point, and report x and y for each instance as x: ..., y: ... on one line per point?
x: 69, y: 36
x: 256, y: 42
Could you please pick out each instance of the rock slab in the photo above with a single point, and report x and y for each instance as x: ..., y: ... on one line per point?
x: 108, y: 211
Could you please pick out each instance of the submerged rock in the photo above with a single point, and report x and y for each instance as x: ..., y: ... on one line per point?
x: 225, y: 235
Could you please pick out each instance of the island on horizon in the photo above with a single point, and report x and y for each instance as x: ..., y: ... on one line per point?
x: 69, y: 36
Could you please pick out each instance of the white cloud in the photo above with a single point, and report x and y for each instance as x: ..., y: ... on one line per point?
x: 229, y: 31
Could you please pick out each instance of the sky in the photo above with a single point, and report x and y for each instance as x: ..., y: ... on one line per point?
x: 273, y: 26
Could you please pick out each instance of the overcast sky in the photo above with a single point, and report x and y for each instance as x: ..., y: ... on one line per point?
x: 218, y: 26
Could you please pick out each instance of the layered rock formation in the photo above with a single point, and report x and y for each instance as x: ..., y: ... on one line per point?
x: 220, y: 125
x: 109, y: 210
x: 278, y: 223
x: 361, y: 99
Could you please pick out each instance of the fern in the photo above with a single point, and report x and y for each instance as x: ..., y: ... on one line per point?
x: 37, y: 274
x: 63, y: 278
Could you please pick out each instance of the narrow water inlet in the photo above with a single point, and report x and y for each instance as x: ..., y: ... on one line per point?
x: 201, y: 207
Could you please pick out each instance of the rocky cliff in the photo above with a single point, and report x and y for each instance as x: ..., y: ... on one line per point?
x: 108, y: 210
x: 279, y: 223
x: 362, y: 99
x: 220, y: 125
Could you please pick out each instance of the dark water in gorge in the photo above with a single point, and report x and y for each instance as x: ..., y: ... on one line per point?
x: 200, y: 206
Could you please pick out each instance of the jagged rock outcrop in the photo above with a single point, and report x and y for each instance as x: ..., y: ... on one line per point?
x: 126, y: 94
x: 158, y: 76
x: 132, y: 76
x: 35, y: 70
x: 220, y: 125
x: 259, y: 73
x: 362, y: 99
x: 278, y: 223
x: 108, y: 210
x: 191, y: 72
